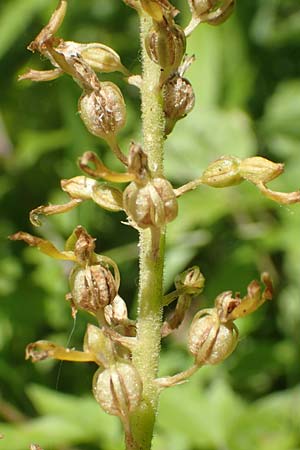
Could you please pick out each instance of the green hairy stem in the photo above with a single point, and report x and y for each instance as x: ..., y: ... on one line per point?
x: 149, y: 318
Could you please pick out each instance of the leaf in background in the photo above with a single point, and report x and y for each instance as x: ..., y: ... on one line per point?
x: 14, y: 19
x: 222, y: 73
x: 204, y: 417
x: 277, y: 23
x: 280, y: 123
x: 50, y: 432
x: 272, y: 423
x: 83, y: 413
x: 34, y: 144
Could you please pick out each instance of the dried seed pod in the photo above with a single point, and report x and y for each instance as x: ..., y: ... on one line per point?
x: 92, y: 288
x: 223, y: 172
x: 151, y: 205
x: 166, y: 45
x: 103, y: 111
x: 118, y: 389
x: 258, y: 169
x: 211, y: 341
x: 179, y: 100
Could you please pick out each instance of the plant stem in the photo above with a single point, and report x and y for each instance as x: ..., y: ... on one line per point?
x: 149, y: 319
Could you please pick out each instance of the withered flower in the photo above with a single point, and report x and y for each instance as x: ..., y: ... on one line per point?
x: 188, y: 283
x: 92, y: 284
x: 229, y: 170
x: 213, y: 12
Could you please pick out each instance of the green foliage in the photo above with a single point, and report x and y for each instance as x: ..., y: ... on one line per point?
x: 246, y: 78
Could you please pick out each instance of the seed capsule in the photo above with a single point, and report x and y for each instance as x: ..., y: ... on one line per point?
x: 118, y: 389
x: 223, y: 172
x: 151, y: 205
x: 92, y: 288
x: 179, y: 100
x: 103, y: 111
x: 211, y: 341
x: 166, y: 45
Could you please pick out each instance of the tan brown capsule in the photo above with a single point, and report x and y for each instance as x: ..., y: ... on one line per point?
x: 92, y: 288
x: 118, y: 389
x: 103, y: 111
x: 151, y: 205
x: 179, y: 100
x: 211, y: 341
x: 166, y: 45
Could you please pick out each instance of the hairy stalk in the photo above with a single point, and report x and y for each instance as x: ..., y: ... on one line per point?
x: 149, y: 320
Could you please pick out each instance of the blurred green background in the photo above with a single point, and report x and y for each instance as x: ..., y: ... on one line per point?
x: 247, y: 81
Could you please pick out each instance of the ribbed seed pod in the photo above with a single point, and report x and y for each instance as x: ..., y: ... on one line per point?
x: 103, y: 111
x: 151, y: 205
x: 211, y: 341
x: 179, y: 100
x: 166, y: 45
x: 223, y: 172
x: 118, y: 389
x: 92, y: 288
